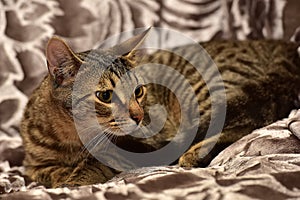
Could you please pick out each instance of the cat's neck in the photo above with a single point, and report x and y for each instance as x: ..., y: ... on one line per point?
x: 59, y: 120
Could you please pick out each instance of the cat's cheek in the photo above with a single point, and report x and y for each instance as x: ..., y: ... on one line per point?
x: 69, y: 135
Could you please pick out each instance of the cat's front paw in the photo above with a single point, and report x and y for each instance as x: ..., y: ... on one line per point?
x: 198, y: 155
x: 187, y: 160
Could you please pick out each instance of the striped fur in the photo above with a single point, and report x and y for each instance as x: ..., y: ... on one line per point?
x: 261, y: 78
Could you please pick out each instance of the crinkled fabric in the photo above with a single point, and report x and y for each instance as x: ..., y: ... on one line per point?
x: 264, y: 164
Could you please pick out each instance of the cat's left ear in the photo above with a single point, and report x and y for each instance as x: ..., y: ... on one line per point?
x: 62, y: 61
x: 128, y: 49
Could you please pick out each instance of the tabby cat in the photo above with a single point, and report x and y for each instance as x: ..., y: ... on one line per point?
x: 261, y: 79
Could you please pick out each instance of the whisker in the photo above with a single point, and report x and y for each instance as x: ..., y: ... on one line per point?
x: 89, y: 145
x: 104, y: 137
x: 143, y: 132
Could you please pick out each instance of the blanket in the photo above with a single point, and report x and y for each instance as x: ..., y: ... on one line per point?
x: 264, y: 164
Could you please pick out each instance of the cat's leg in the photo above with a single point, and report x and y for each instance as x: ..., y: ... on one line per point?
x: 50, y: 175
x: 85, y: 173
x: 244, y: 113
x: 89, y: 171
x: 202, y: 153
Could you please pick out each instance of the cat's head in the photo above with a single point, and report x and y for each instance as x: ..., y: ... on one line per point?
x: 96, y: 74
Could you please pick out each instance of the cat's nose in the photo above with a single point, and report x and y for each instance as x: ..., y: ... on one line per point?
x: 137, y: 118
x: 136, y: 112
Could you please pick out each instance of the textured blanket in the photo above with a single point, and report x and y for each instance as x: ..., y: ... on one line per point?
x: 264, y: 164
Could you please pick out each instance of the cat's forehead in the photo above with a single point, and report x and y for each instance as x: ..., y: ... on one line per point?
x: 99, y: 56
x: 109, y: 69
x: 112, y: 78
x: 103, y: 62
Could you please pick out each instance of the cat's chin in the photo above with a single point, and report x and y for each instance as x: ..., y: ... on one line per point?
x: 126, y: 130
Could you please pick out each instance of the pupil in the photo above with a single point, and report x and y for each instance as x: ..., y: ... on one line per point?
x: 106, y: 95
x: 137, y: 91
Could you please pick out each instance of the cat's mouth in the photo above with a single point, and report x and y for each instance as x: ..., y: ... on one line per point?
x: 122, y: 128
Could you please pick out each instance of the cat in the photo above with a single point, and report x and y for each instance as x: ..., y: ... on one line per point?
x: 261, y: 79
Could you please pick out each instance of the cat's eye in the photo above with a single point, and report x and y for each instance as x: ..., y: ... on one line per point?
x: 139, y: 92
x: 104, y: 96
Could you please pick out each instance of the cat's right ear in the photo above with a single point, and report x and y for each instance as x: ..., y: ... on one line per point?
x: 62, y: 62
x: 129, y: 49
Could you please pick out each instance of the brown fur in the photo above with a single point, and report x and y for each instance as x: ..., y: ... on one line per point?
x: 55, y: 155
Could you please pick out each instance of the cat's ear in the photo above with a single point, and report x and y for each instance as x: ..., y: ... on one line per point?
x: 128, y: 49
x: 62, y: 61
